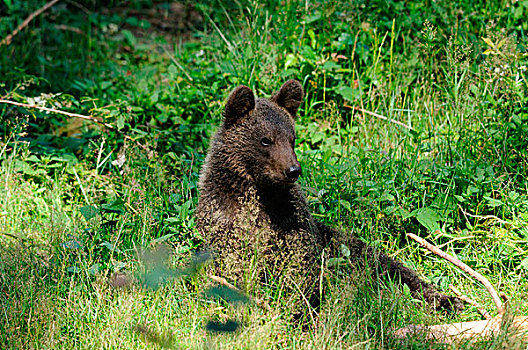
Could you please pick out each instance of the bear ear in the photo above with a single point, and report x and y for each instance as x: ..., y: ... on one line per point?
x: 289, y: 96
x: 240, y: 102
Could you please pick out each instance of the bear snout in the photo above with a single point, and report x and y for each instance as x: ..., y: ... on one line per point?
x: 293, y: 172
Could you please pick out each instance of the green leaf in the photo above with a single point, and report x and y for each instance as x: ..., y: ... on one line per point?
x: 94, y: 269
x: 460, y: 198
x: 428, y: 218
x: 405, y: 214
x: 345, y: 251
x: 489, y: 42
x: 162, y: 238
x: 386, y: 196
x: 501, y: 43
x: 117, y: 206
x: 345, y: 204
x: 518, y: 12
x: 120, y: 122
x: 133, y: 21
x: 313, y: 18
x: 173, y: 71
x: 346, y: 92
x: 291, y: 60
x: 492, y: 202
x: 26, y: 169
x: 333, y: 262
x: 111, y: 247
x: 313, y: 40
x: 308, y: 54
x: 89, y: 212
x: 331, y: 65
x: 72, y: 244
x: 129, y: 37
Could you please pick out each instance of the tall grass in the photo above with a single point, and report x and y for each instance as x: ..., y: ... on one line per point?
x: 78, y: 202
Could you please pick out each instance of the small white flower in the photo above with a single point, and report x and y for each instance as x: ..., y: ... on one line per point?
x: 119, y: 161
x: 112, y: 28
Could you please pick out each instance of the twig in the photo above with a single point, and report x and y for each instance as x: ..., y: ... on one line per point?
x: 7, y: 39
x: 224, y: 282
x: 485, y: 217
x: 74, y: 115
x: 463, y: 267
x: 173, y: 59
x: 470, y: 301
x: 53, y: 110
x: 364, y: 111
x: 71, y: 29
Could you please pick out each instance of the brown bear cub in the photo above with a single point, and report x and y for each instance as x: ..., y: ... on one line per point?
x: 254, y: 215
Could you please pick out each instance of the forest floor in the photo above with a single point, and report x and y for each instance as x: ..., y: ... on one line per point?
x: 415, y: 121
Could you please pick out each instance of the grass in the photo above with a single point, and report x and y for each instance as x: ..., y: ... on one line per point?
x: 77, y: 201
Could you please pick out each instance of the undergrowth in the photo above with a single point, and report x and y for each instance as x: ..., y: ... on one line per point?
x: 415, y: 120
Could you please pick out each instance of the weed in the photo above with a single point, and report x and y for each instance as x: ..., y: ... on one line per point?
x: 78, y: 200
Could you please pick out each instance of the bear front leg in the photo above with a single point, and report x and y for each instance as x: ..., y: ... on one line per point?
x: 361, y: 253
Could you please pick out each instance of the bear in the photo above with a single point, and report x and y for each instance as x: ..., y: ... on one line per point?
x: 254, y: 216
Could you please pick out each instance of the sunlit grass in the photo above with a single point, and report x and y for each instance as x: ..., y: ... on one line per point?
x: 73, y: 217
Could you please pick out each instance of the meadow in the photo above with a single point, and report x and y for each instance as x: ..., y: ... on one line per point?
x: 415, y: 120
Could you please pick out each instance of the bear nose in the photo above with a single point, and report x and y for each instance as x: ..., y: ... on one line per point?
x: 294, y: 172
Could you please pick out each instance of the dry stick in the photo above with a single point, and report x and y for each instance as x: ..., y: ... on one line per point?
x: 470, y: 301
x: 75, y: 115
x: 364, y: 111
x: 7, y: 39
x: 53, y: 110
x: 71, y: 29
x: 173, y: 59
x: 463, y: 267
x: 484, y: 217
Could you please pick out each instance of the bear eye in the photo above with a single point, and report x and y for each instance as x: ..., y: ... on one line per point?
x: 265, y: 142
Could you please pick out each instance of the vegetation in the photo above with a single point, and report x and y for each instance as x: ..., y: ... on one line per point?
x: 415, y: 120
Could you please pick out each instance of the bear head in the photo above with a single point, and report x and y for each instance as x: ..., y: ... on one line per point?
x: 257, y: 135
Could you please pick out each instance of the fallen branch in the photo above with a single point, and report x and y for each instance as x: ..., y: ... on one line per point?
x: 364, y: 111
x: 58, y: 111
x: 470, y: 301
x: 7, y: 39
x: 472, y: 331
x: 463, y: 267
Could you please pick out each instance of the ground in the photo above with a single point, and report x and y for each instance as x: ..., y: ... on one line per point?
x: 414, y: 120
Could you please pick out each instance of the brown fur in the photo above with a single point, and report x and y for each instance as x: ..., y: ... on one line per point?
x: 253, y: 213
